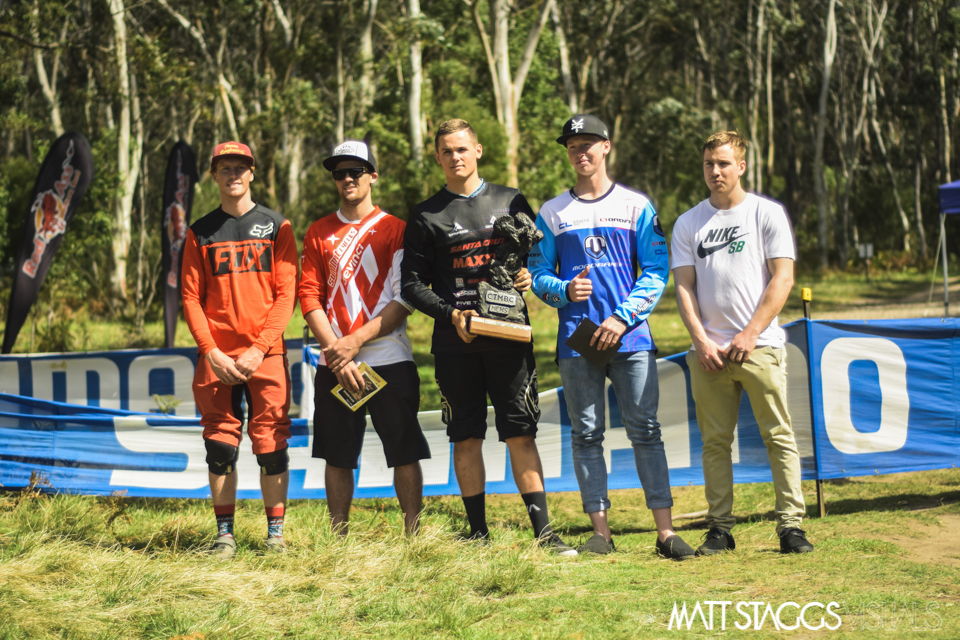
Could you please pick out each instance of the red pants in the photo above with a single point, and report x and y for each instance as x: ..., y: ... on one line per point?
x: 268, y: 405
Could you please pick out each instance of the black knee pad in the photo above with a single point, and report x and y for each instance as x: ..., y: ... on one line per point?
x: 221, y: 457
x: 274, y: 463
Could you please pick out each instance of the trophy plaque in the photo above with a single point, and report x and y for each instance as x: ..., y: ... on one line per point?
x: 501, y: 307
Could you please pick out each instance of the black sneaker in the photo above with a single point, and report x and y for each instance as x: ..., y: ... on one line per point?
x: 597, y: 544
x: 717, y: 540
x: 555, y: 545
x: 794, y: 540
x: 479, y: 538
x: 674, y: 548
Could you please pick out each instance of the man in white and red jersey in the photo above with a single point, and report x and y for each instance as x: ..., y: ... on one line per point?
x: 239, y: 291
x: 350, y: 297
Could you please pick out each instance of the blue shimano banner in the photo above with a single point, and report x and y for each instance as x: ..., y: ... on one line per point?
x: 128, y: 380
x: 883, y: 397
x: 886, y: 395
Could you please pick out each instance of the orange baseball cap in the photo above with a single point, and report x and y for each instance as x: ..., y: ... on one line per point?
x: 231, y: 148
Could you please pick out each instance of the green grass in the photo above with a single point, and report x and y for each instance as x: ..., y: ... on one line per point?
x: 84, y: 567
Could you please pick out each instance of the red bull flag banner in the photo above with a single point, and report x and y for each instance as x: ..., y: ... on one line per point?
x: 177, y: 203
x: 65, y: 174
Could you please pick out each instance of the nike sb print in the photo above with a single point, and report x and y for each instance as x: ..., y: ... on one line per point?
x: 729, y: 250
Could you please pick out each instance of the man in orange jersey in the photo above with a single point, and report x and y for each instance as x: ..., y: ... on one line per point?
x: 350, y: 297
x: 239, y: 291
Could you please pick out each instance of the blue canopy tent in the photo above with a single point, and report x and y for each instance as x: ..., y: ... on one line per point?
x: 949, y: 205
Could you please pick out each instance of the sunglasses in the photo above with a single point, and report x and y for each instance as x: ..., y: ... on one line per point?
x: 353, y: 172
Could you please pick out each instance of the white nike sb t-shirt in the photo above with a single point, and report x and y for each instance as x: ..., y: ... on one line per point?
x: 730, y: 250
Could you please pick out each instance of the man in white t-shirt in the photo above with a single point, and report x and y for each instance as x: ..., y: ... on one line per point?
x: 732, y: 260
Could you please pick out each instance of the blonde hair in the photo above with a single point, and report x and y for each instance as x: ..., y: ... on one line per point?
x: 732, y: 138
x: 453, y: 126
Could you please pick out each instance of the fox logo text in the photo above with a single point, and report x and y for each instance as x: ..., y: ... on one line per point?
x: 50, y: 211
x: 595, y: 246
x: 240, y: 258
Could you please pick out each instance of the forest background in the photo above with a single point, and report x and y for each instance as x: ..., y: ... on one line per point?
x: 851, y: 109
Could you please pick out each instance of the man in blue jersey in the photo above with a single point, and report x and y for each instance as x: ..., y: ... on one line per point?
x: 595, y: 237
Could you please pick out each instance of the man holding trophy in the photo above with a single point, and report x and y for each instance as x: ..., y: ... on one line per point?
x: 464, y: 249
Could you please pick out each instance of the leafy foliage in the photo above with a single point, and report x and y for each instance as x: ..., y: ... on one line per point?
x: 662, y: 73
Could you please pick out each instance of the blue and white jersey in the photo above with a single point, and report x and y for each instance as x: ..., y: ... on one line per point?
x: 617, y: 236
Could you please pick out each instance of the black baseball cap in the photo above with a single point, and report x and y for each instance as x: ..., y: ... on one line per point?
x: 583, y: 124
x: 351, y: 150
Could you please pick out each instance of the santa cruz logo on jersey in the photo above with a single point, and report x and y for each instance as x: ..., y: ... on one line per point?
x: 718, y: 239
x: 595, y: 246
x: 240, y: 258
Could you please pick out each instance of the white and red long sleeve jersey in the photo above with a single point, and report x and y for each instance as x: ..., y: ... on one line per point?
x: 351, y: 270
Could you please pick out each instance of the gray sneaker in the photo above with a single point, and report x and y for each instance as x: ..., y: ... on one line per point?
x: 224, y: 548
x: 275, y: 544
x: 555, y: 545
x: 597, y: 544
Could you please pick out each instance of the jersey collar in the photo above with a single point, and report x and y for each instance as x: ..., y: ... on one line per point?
x: 579, y: 199
x: 472, y: 195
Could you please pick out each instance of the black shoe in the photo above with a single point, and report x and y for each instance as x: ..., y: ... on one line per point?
x: 717, y: 540
x: 794, y: 540
x: 555, y: 545
x: 597, y: 544
x: 674, y: 548
x: 480, y: 538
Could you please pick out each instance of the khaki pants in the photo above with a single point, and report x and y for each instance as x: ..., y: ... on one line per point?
x: 717, y: 396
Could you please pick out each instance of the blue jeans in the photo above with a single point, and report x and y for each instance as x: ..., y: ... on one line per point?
x: 634, y: 379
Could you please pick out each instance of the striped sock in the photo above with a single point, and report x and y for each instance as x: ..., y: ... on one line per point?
x: 224, y: 513
x: 275, y: 521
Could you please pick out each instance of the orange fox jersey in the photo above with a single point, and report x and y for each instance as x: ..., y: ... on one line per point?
x: 239, y: 281
x: 351, y: 271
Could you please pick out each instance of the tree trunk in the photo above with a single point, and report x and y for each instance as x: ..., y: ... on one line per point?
x: 48, y: 85
x: 341, y: 85
x: 224, y: 88
x: 294, y: 149
x: 829, y: 52
x: 129, y: 152
x: 569, y: 89
x: 416, y: 83
x: 770, y: 136
x: 918, y: 165
x: 366, y: 59
x: 708, y: 62
x: 943, y: 114
x: 755, y: 68
x: 878, y: 133
x: 509, y: 87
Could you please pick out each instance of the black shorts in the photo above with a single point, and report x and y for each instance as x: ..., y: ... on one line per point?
x: 508, y: 374
x: 338, y: 432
